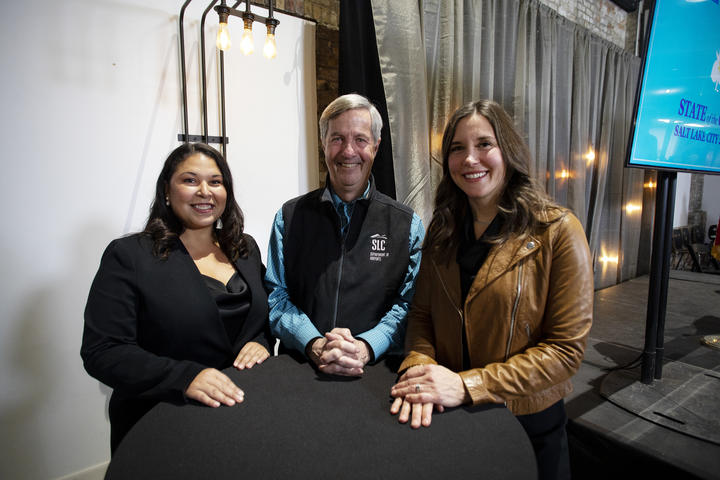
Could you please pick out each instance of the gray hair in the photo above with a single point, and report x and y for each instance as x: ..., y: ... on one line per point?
x: 342, y: 104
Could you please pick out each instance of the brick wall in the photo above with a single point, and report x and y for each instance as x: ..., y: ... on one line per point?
x: 601, y: 17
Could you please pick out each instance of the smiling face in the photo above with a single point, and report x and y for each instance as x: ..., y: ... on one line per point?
x: 350, y: 149
x: 196, y: 192
x: 476, y: 164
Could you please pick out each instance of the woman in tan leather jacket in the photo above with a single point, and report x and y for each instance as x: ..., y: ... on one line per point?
x: 503, y: 300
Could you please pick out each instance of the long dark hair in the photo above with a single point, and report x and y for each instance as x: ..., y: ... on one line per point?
x: 163, y: 226
x: 522, y: 201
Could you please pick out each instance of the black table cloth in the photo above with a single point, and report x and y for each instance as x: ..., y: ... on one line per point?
x: 298, y: 423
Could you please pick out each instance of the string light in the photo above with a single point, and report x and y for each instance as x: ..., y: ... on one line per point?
x: 631, y: 207
x: 562, y: 174
x: 590, y: 156
x: 605, y: 259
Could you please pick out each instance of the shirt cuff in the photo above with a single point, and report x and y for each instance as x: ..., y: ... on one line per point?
x: 303, y: 335
x: 377, y: 342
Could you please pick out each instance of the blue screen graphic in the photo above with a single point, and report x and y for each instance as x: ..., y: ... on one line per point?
x: 678, y: 114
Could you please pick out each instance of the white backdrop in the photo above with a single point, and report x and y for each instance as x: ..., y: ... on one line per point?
x: 90, y: 99
x: 682, y: 197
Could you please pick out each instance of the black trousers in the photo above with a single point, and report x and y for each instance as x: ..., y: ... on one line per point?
x: 546, y: 430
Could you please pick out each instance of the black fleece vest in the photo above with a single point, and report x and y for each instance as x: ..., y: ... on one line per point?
x: 346, y: 282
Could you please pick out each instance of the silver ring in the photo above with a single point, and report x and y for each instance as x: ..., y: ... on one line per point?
x: 417, y: 388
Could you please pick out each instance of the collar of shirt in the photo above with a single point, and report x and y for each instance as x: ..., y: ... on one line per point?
x: 345, y: 209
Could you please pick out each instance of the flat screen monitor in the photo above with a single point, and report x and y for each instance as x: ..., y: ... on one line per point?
x: 677, y: 109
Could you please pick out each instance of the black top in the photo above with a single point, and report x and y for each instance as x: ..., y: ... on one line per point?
x: 233, y: 302
x: 471, y: 255
x: 473, y: 251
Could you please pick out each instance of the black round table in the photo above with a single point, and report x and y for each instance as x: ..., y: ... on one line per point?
x: 298, y: 423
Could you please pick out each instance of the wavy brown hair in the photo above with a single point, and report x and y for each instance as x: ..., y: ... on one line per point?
x: 522, y: 202
x: 164, y: 227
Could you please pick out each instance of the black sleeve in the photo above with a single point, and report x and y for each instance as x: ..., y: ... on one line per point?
x: 110, y: 351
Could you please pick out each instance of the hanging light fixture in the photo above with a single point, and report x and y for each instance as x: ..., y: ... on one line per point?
x: 223, y: 36
x: 247, y: 44
x: 270, y: 48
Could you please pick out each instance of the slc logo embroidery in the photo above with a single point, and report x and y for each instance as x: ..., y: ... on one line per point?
x: 377, y: 247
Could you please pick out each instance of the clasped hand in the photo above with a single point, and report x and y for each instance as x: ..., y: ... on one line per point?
x: 424, y: 387
x: 339, y: 353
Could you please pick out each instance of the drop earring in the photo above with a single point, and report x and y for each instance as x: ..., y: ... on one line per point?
x: 167, y: 201
x: 219, y: 224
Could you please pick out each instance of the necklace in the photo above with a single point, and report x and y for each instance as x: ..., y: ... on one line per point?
x: 482, y: 222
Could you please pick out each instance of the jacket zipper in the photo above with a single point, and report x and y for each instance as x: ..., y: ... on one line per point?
x: 339, y: 278
x: 459, y: 311
x: 340, y: 269
x: 514, y: 310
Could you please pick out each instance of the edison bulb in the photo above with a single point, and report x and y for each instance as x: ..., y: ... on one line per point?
x: 246, y: 42
x: 270, y: 49
x: 223, y: 37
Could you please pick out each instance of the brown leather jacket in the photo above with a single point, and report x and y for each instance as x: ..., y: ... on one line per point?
x: 527, y: 316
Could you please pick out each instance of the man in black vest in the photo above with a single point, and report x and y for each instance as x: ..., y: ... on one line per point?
x: 343, y: 259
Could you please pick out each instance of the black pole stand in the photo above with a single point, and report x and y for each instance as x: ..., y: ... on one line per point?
x: 183, y: 80
x: 665, y: 277
x: 652, y: 357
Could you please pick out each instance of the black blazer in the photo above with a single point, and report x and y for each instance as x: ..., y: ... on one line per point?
x: 151, y: 325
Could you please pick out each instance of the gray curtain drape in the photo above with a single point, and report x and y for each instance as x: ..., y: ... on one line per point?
x: 571, y: 92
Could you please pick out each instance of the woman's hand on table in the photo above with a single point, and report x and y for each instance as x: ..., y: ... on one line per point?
x: 418, y: 413
x: 252, y: 353
x: 211, y: 387
x: 422, y: 387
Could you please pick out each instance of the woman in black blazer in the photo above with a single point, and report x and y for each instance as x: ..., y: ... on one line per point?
x: 173, y: 305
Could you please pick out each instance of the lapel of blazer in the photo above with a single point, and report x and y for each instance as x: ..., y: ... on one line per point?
x: 194, y: 279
